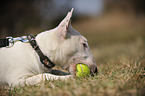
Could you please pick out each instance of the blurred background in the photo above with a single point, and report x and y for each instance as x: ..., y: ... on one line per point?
x: 114, y: 28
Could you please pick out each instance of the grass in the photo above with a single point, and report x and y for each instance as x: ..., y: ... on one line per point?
x: 123, y: 78
x: 120, y: 55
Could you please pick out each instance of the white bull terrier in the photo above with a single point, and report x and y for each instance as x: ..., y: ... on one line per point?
x: 65, y: 47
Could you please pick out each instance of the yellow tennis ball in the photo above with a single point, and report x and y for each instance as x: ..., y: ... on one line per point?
x: 82, y: 70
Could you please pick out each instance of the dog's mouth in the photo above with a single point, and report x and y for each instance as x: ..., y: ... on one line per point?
x: 72, y: 69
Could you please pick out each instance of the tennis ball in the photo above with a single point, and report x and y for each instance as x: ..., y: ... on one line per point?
x: 82, y: 70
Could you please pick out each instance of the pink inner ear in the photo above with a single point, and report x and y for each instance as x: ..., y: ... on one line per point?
x: 63, y: 26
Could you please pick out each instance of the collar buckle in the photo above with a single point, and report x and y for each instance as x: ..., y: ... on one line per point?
x: 10, y: 41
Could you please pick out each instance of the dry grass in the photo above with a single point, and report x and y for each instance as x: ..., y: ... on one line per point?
x: 119, y: 48
x: 126, y: 77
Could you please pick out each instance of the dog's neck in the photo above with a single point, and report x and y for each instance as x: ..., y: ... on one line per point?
x: 47, y: 41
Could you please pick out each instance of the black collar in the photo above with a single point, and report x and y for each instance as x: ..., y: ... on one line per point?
x: 4, y: 42
x: 44, y: 59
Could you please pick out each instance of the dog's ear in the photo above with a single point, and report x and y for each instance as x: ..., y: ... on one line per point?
x: 63, y: 26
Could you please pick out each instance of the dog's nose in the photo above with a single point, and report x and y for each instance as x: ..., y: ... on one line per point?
x: 95, y: 72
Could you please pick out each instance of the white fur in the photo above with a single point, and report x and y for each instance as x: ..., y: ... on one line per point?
x: 63, y: 45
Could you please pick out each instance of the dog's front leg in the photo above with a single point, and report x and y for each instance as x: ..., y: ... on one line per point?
x: 43, y: 77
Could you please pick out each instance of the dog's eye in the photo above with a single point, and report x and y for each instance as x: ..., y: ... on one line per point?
x: 85, y: 45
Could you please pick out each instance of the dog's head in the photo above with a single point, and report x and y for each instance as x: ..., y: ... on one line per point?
x: 70, y: 47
